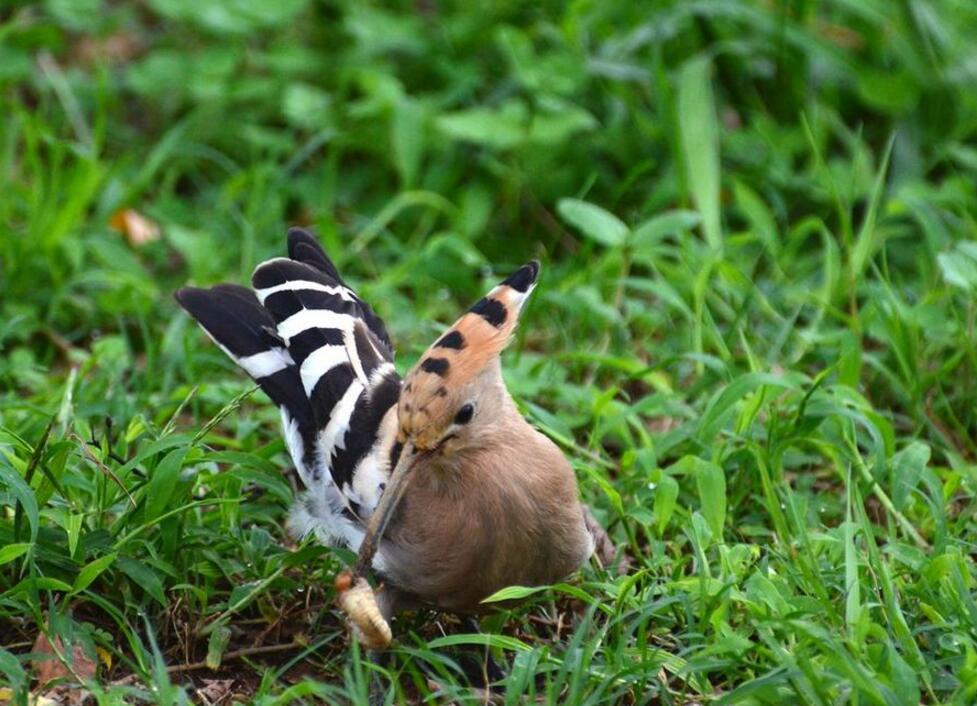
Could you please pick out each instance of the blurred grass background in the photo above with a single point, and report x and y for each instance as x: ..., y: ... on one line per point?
x: 754, y: 335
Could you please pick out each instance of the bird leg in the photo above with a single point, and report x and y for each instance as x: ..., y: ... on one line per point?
x: 490, y: 671
x: 378, y: 694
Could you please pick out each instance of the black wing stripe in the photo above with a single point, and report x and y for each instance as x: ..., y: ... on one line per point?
x: 361, y: 434
x: 283, y: 304
x: 319, y: 363
x: 338, y: 390
x: 329, y: 391
x: 231, y: 315
x: 366, y: 350
x: 357, y: 440
x: 303, y: 344
x: 280, y: 272
x: 384, y: 395
x: 375, y: 325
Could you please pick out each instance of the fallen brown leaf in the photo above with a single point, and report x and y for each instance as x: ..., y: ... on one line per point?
x: 215, y: 691
x: 118, y: 48
x: 137, y: 228
x: 48, y: 666
x: 61, y: 695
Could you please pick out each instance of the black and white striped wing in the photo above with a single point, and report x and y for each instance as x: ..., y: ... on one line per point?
x: 345, y: 368
x: 323, y: 356
x: 235, y: 320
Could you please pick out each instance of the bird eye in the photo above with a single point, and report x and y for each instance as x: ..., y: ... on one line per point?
x: 465, y: 414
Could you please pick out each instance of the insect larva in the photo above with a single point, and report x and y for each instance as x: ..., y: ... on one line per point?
x: 357, y: 600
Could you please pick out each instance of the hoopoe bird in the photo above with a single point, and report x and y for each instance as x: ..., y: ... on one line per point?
x: 446, y: 490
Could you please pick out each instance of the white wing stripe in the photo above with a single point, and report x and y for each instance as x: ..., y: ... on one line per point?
x: 379, y: 373
x: 354, y: 356
x: 334, y: 434
x: 319, y: 362
x: 261, y: 365
x: 296, y: 447
x: 313, y: 318
x: 258, y: 365
x: 299, y: 284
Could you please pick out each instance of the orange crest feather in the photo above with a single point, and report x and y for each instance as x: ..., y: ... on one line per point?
x: 434, y: 387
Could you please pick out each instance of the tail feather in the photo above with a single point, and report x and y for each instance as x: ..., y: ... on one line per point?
x: 232, y: 317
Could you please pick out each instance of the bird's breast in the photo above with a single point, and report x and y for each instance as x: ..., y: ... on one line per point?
x: 461, y: 534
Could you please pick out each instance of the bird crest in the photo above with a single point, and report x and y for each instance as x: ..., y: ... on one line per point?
x: 437, y: 385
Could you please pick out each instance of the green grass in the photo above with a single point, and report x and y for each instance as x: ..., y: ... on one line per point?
x: 754, y: 334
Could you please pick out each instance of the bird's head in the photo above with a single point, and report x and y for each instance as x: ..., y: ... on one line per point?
x: 454, y: 396
x: 455, y: 390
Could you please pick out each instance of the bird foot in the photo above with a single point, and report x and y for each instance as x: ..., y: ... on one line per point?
x: 378, y: 689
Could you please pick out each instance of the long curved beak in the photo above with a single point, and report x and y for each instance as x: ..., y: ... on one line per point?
x: 385, y: 510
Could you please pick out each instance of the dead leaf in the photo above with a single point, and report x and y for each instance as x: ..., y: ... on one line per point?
x: 215, y: 691
x: 118, y: 48
x: 61, y: 695
x: 7, y: 696
x: 137, y: 228
x: 661, y: 425
x: 48, y: 666
x: 844, y: 37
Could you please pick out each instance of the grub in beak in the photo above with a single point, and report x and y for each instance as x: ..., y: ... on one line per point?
x: 355, y: 595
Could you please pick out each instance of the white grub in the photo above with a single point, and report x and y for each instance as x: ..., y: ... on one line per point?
x: 360, y: 605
